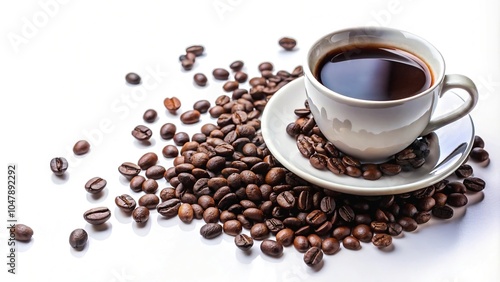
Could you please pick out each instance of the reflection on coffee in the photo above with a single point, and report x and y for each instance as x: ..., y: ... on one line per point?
x: 378, y: 73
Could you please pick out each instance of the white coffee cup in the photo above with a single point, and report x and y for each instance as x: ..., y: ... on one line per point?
x: 373, y: 131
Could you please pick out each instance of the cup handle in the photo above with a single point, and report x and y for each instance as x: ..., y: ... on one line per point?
x: 454, y: 81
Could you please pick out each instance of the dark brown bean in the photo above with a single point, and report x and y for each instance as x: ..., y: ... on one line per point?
x: 169, y: 208
x: 97, y: 216
x: 351, y: 243
x: 479, y: 154
x: 95, y: 185
x: 382, y: 240
x: 240, y: 76
x: 271, y: 248
x: 201, y: 106
x: 190, y: 117
x: 474, y: 184
x: 81, y: 147
x: 265, y: 66
x: 211, y: 230
x: 147, y: 160
x: 200, y: 79
x: 232, y: 227
x: 21, y: 232
x: 140, y: 214
x: 142, y: 133
x: 243, y: 242
x: 313, y: 256
x: 132, y: 78
x: 167, y: 131
x: 125, y: 202
x: 443, y: 212
x: 287, y: 43
x: 129, y: 170
x: 150, y: 115
x: 230, y: 86
x: 220, y: 74
x: 149, y: 201
x: 330, y: 246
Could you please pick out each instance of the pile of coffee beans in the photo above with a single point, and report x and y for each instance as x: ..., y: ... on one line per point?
x: 322, y: 154
x: 225, y: 175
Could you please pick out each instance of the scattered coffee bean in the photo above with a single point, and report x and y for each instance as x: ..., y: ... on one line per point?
x: 479, y: 154
x: 271, y: 248
x: 362, y: 232
x: 240, y: 76
x: 95, y: 185
x: 150, y: 201
x: 140, y: 214
x: 330, y: 246
x: 133, y: 78
x: 136, y: 183
x: 200, y: 79
x: 220, y: 74
x: 287, y: 43
x: 230, y: 86
x: 474, y: 184
x: 169, y: 208
x: 478, y: 142
x: 129, y: 170
x: 265, y: 66
x: 22, y: 232
x: 187, y: 64
x: 190, y: 117
x: 457, y: 200
x: 382, y: 240
x: 180, y: 138
x: 243, y: 242
x: 232, y: 227
x: 313, y: 256
x: 167, y: 131
x: 97, y: 216
x: 197, y: 50
x: 236, y: 65
x: 125, y: 202
x: 170, y: 151
x: 443, y: 212
x: 78, y: 238
x: 351, y: 243
x: 202, y: 106
x: 150, y: 115
x: 81, y: 147
x: 142, y: 133
x: 172, y: 104
x: 185, y: 213
x: 58, y: 166
x: 147, y: 160
x: 211, y: 230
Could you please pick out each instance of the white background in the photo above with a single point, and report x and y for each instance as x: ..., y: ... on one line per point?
x: 62, y: 69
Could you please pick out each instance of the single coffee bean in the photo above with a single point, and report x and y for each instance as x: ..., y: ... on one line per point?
x: 464, y: 171
x: 236, y: 65
x: 457, y: 200
x: 211, y: 215
x: 140, y: 214
x: 372, y: 174
x: 133, y: 78
x: 274, y: 225
x: 286, y: 200
x: 170, y: 151
x: 240, y: 76
x: 149, y: 201
x: 125, y: 202
x: 180, y: 138
x: 21, y: 232
x: 155, y: 172
x: 425, y: 204
x: 81, y: 147
x: 347, y: 213
x: 390, y: 169
x: 202, y: 106
x: 96, y: 216
x: 478, y: 142
x: 232, y: 227
x: 443, y: 212
x: 271, y: 248
x: 341, y: 232
x: 142, y: 133
x: 327, y: 205
x: 285, y: 237
x: 197, y: 50
x: 408, y: 223
x: 382, y: 240
x: 394, y: 228
x: 243, y: 242
x: 265, y: 66
x: 362, y: 232
x: 230, y: 86
x: 313, y: 256
x: 200, y: 79
x: 479, y: 154
x: 314, y: 240
x: 169, y: 208
x: 254, y: 214
x: 220, y: 74
x: 259, y: 231
x: 474, y: 184
x: 150, y: 115
x: 301, y: 243
x: 287, y: 43
x: 187, y: 64
x: 423, y: 217
x: 351, y: 243
x: 172, y: 104
x: 147, y: 160
x: 316, y: 218
x: 330, y: 246
x: 190, y: 117
x: 78, y: 238
x: 95, y: 185
x: 150, y: 186
x: 211, y: 230
x: 58, y: 165
x: 455, y: 187
x: 185, y: 213
x: 136, y: 183
x: 167, y: 131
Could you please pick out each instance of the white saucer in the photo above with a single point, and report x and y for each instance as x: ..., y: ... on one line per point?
x: 450, y: 146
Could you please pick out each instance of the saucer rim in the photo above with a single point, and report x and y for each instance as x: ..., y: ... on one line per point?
x: 428, y: 179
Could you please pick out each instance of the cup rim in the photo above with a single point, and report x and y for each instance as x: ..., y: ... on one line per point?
x: 437, y: 76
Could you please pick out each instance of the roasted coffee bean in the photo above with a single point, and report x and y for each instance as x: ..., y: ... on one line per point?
x: 230, y: 86
x: 78, y: 238
x: 464, y: 171
x: 254, y: 214
x: 147, y: 160
x: 455, y: 187
x: 211, y: 230
x: 227, y: 215
x: 21, y: 232
x: 150, y: 186
x: 336, y: 166
x: 133, y: 78
x: 318, y: 161
x: 96, y: 216
x: 58, y: 165
x: 155, y: 172
x: 236, y: 65
x: 474, y: 184
x: 457, y: 200
x: 297, y: 71
x: 185, y: 213
x: 285, y: 237
x: 197, y: 50
x: 315, y: 218
x: 232, y: 227
x: 330, y: 246
x: 327, y: 205
x: 313, y: 256
x: 169, y: 208
x: 287, y: 43
x: 390, y: 169
x: 314, y: 240
x: 220, y: 74
x: 201, y: 106
x: 479, y: 154
x: 149, y: 201
x: 423, y: 217
x: 142, y: 133
x: 240, y: 76
x: 180, y: 138
x: 382, y: 240
x: 170, y: 151
x: 271, y: 248
x: 347, y: 213
x: 353, y: 171
x: 168, y: 130
x: 211, y: 215
x: 265, y: 66
x: 95, y: 185
x: 125, y: 202
x: 243, y: 242
x: 362, y: 232
x: 425, y: 204
x: 351, y: 243
x: 443, y: 212
x: 408, y: 223
x: 129, y: 170
x: 199, y: 137
x: 408, y: 209
x: 301, y: 244
x: 172, y: 104
x: 190, y: 117
x: 81, y: 147
x: 259, y: 231
x: 341, y: 232
x: 394, y: 228
x: 150, y: 115
x: 197, y: 211
x: 286, y: 200
x: 478, y: 142
x: 136, y: 183
x: 206, y: 201
x: 200, y: 79
x: 140, y: 214
x: 187, y: 64
x: 372, y: 174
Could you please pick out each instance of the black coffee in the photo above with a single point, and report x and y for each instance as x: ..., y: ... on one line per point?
x: 375, y: 73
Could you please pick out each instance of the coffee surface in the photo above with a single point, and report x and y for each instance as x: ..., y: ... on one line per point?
x: 374, y: 73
